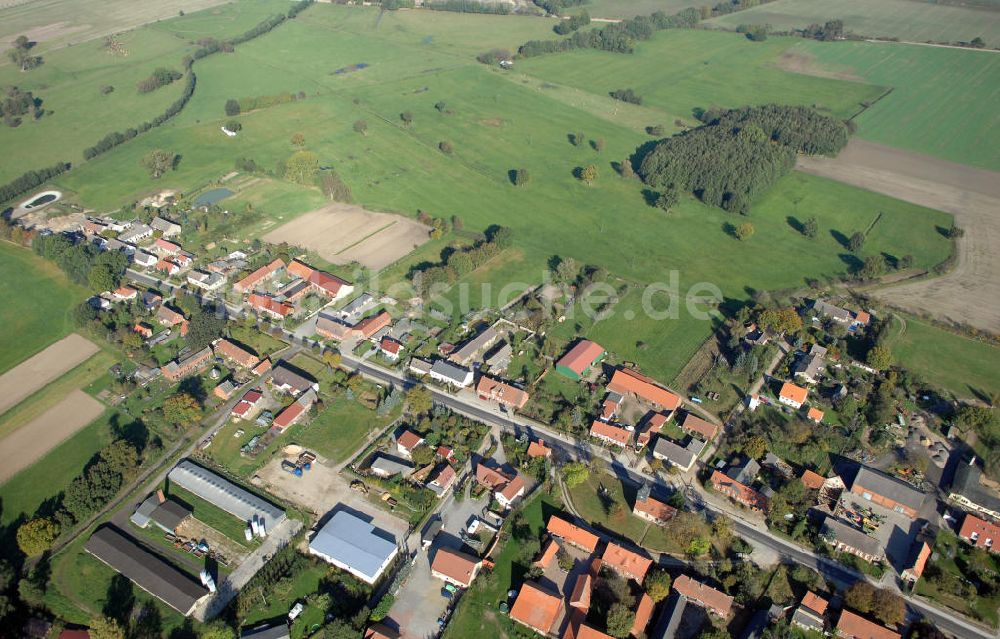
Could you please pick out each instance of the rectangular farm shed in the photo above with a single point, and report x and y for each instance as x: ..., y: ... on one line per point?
x: 224, y: 494
x: 354, y: 545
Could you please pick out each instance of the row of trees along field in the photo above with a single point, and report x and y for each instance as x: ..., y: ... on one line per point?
x: 739, y: 154
x: 618, y: 37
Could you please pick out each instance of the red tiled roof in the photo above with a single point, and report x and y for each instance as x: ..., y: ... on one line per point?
x: 537, y: 607
x: 409, y: 440
x: 813, y: 481
x: 126, y: 292
x: 371, y: 325
x: 492, y: 479
x: 795, y: 393
x: 167, y: 246
x: 548, y: 553
x: 655, y: 508
x: 861, y: 317
x: 247, y: 283
x: 984, y: 530
x: 629, y: 563
x: 705, y: 595
x: 380, y: 631
x: 852, y: 626
x: 572, y: 533
x: 326, y: 283
x: 604, y: 430
x: 444, y: 451
x: 580, y: 357
x: 495, y: 390
x: 642, y: 615
x: 816, y: 603
x: 390, y: 345
x: 269, y: 304
x: 236, y: 353
x: 539, y: 449
x: 455, y: 565
x: 628, y: 381
x: 444, y: 477
x: 609, y: 409
x: 580, y: 597
x: 920, y: 561
x: 737, y: 491
x: 511, y: 491
x: 815, y: 414
x: 262, y: 367
x: 288, y: 416
x: 706, y: 429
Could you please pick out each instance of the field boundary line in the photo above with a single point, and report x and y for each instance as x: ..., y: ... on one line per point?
x: 872, y: 103
x: 367, y: 237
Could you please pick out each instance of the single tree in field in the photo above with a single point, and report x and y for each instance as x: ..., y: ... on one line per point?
x: 419, y: 400
x: 440, y: 106
x: 578, y: 138
x: 21, y: 54
x: 809, y: 227
x: 906, y: 262
x: 667, y: 198
x: 626, y: 169
x: 181, y: 409
x: 745, y: 231
x: 588, y: 173
x: 406, y: 117
x: 445, y: 147
x: 232, y: 107
x: 360, y: 126
x: 299, y: 140
x: 521, y: 177
x: 36, y: 536
x: 302, y: 167
x: 598, y: 144
x: 856, y: 242
x: 158, y: 162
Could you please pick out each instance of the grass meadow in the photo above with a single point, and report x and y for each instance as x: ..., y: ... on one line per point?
x: 943, y: 101
x: 497, y: 122
x: 32, y: 321
x: 903, y: 19
x: 966, y: 367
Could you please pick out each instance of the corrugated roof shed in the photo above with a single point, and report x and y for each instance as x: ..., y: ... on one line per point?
x: 354, y: 542
x: 223, y: 493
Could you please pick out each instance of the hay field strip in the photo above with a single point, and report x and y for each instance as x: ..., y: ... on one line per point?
x: 30, y: 443
x: 33, y: 374
x: 903, y: 19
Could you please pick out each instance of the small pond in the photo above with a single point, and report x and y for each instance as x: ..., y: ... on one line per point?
x: 208, y: 198
x: 41, y: 199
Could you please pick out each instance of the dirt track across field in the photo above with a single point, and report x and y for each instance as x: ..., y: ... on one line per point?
x: 35, y: 372
x: 345, y: 233
x: 971, y: 292
x: 31, y: 442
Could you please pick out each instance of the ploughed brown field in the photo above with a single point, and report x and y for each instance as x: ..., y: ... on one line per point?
x: 970, y: 293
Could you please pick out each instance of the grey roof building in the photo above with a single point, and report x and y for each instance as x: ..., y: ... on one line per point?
x: 668, y: 451
x: 472, y: 347
x: 166, y: 514
x: 445, y: 371
x: 834, y: 312
x: 267, y: 632
x: 354, y: 545
x: 670, y: 619
x: 224, y: 494
x: 967, y: 490
x: 385, y: 466
x: 811, y: 364
x: 744, y: 473
x: 887, y: 488
x: 807, y: 618
x: 146, y: 570
x: 849, y: 539
x: 286, y: 378
x: 356, y: 307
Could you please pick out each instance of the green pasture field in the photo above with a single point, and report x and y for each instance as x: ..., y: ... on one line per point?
x: 498, y: 122
x: 32, y: 321
x: 50, y: 475
x: 966, y: 367
x: 679, y: 70
x: 903, y: 19
x: 340, y: 429
x: 942, y: 101
x: 58, y: 23
x: 70, y: 80
x: 632, y: 8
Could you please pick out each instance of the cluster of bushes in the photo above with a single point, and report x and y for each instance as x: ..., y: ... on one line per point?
x: 731, y: 6
x: 469, y: 6
x: 618, y: 37
x: 831, y: 30
x: 30, y: 180
x: 494, y: 56
x: 161, y: 77
x: 741, y: 153
x: 627, y: 95
x: 572, y: 24
x: 755, y: 32
x: 84, y: 263
x: 235, y: 107
x: 458, y: 262
x: 335, y: 188
x: 14, y: 103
